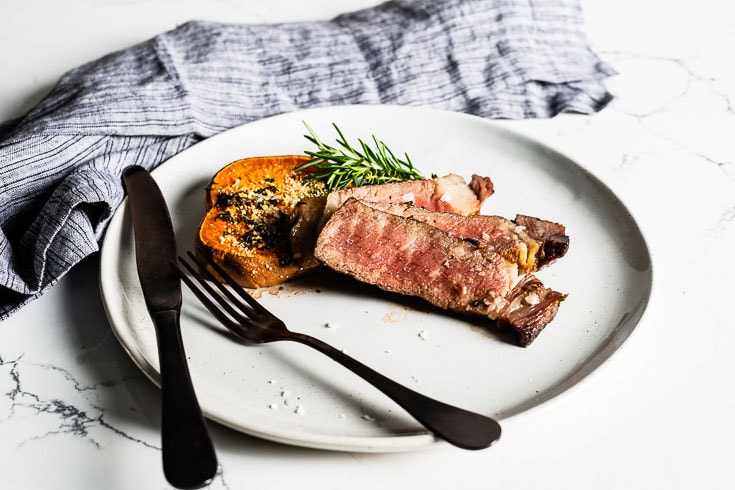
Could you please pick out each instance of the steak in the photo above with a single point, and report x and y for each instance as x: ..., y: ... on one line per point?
x: 403, y: 255
x: 449, y: 193
x: 531, y: 243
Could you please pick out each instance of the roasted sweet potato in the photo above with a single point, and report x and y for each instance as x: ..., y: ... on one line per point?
x: 250, y: 206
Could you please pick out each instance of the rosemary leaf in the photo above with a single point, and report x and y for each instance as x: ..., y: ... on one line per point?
x: 345, y: 166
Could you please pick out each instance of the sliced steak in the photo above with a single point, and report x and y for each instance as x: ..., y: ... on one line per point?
x: 449, y: 193
x: 407, y: 256
x: 529, y: 242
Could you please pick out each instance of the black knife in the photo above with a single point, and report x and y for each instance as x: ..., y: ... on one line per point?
x: 189, y: 460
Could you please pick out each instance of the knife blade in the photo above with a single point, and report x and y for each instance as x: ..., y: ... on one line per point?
x: 189, y: 459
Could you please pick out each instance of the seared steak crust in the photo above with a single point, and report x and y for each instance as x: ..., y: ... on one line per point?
x: 483, y: 187
x: 531, y: 306
x: 553, y: 237
x: 407, y: 256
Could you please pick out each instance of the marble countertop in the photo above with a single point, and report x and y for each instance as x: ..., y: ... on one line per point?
x: 76, y: 413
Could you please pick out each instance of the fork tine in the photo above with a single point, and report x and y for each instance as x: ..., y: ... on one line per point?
x: 231, y: 321
x: 257, y: 307
x: 205, y: 273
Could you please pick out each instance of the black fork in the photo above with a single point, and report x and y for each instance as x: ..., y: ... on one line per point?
x: 249, y: 320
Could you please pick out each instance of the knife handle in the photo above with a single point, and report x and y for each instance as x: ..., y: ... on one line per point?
x: 189, y: 460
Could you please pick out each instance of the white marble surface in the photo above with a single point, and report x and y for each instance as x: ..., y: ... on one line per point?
x: 75, y: 413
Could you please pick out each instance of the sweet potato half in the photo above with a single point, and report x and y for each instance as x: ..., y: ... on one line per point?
x: 250, y: 206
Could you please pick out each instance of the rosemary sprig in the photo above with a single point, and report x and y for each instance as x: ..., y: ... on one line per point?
x: 348, y: 166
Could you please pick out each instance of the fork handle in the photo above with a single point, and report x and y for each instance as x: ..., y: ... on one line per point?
x: 462, y: 428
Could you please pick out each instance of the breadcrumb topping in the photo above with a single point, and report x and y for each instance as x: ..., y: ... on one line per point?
x: 258, y: 216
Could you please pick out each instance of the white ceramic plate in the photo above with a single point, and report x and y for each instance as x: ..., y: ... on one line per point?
x: 286, y: 392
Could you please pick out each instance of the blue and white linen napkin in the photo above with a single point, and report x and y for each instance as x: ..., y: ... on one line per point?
x: 60, y: 164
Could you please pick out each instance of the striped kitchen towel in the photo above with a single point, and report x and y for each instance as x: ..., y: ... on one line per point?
x: 60, y: 164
